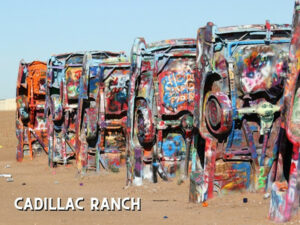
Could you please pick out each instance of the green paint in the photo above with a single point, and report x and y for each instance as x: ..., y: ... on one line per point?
x: 261, y: 178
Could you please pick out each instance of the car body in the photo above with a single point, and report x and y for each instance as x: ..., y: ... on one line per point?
x: 102, y: 111
x: 63, y: 76
x: 30, y: 98
x: 239, y: 90
x: 285, y: 192
x: 161, y: 104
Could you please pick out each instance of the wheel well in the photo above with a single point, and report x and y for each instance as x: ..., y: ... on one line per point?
x: 146, y: 145
x: 208, y: 85
x: 210, y: 79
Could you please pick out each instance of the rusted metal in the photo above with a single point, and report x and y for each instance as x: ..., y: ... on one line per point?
x: 30, y: 98
x: 161, y: 105
x: 238, y: 97
x: 102, y: 111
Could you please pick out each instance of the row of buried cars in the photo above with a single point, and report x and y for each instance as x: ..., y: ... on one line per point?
x: 223, y: 109
x: 74, y: 107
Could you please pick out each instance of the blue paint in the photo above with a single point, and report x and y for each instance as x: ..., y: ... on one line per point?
x: 122, y: 96
x: 251, y: 142
x: 159, y: 144
x: 244, y: 167
x: 94, y: 85
x: 94, y: 71
x: 253, y: 128
x: 231, y: 135
x: 173, y: 145
x: 256, y: 42
x: 238, y: 137
x: 174, y: 86
x: 233, y: 92
x: 155, y: 164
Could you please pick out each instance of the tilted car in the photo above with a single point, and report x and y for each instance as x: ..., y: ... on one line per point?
x: 285, y: 192
x: 161, y: 105
x: 30, y: 98
x: 64, y: 72
x: 239, y: 89
x: 102, y: 111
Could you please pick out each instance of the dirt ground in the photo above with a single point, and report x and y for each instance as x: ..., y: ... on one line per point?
x: 162, y: 203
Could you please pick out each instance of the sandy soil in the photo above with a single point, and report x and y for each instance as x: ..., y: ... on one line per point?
x: 162, y: 203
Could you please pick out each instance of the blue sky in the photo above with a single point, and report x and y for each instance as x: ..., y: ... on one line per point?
x: 34, y: 30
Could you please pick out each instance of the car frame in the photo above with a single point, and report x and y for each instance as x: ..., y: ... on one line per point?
x: 102, y: 109
x: 285, y: 192
x: 160, y: 109
x: 64, y: 72
x: 239, y: 89
x: 30, y: 98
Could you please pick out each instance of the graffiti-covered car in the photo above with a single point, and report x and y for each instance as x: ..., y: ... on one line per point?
x: 239, y: 89
x: 30, y: 98
x: 285, y: 192
x: 63, y: 75
x: 102, y: 111
x: 161, y: 105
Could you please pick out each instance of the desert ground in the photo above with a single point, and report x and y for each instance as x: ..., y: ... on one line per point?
x: 161, y: 203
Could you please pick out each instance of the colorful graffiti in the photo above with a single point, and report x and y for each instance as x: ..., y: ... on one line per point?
x: 160, y: 110
x: 176, y: 86
x: 64, y: 72
x: 285, y: 190
x: 72, y: 81
x: 229, y: 176
x: 173, y: 154
x: 224, y: 108
x: 238, y: 93
x: 102, y: 108
x: 261, y: 67
x: 30, y: 99
x: 116, y: 91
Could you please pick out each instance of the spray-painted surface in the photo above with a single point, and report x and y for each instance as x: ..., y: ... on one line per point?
x: 286, y: 192
x: 229, y: 176
x: 176, y: 86
x: 72, y: 82
x: 30, y: 98
x: 160, y: 109
x: 238, y: 93
x: 63, y: 74
x: 102, y: 110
